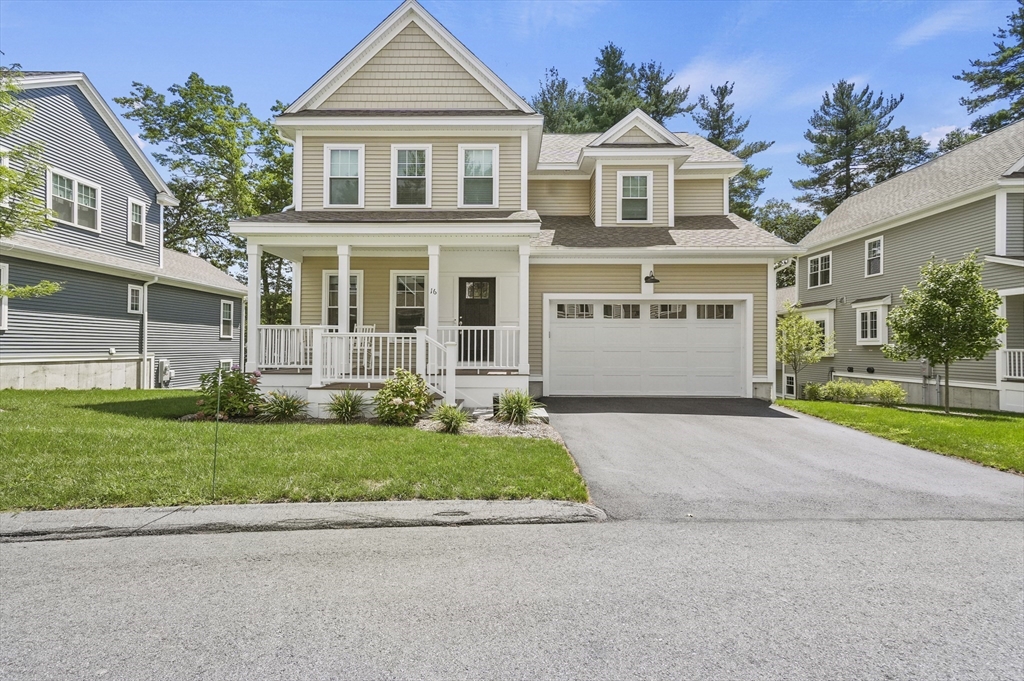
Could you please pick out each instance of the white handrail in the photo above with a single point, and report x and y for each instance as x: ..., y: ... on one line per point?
x: 1013, y: 363
x: 285, y: 347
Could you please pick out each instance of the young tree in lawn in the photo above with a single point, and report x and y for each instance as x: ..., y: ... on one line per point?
x: 957, y: 137
x: 563, y: 107
x: 722, y: 128
x: 949, y: 317
x: 1000, y: 78
x: 788, y: 223
x: 657, y: 99
x: 22, y: 175
x: 800, y: 342
x: 611, y: 88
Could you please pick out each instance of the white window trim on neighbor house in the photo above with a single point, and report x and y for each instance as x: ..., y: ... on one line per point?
x: 50, y: 172
x: 328, y: 148
x: 4, y: 274
x: 881, y: 308
x: 145, y: 207
x: 881, y: 256
x: 818, y: 257
x: 786, y: 391
x: 395, y: 274
x: 828, y: 317
x: 495, y: 193
x: 395, y: 148
x: 132, y: 307
x: 325, y: 290
x: 230, y: 319
x: 620, y: 176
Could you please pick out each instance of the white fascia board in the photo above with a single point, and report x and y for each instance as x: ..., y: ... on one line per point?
x: 375, y: 228
x: 541, y: 175
x: 1017, y: 182
x: 639, y: 119
x: 620, y: 257
x: 113, y: 122
x: 712, y: 254
x: 328, y: 122
x: 639, y: 153
x: 1016, y: 167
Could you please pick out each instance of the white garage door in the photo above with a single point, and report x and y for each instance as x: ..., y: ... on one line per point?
x: 663, y: 348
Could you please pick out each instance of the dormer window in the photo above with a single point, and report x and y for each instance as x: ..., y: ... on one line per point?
x: 410, y: 180
x: 634, y: 196
x: 344, y: 174
x: 478, y: 176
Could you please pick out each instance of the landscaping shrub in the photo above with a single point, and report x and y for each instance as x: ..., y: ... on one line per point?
x: 451, y: 418
x: 514, y: 406
x: 282, y: 407
x: 239, y: 393
x: 402, y: 399
x: 888, y: 393
x: 812, y: 391
x: 347, y: 406
x: 838, y: 390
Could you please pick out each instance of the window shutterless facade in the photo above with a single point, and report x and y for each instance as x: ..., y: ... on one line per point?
x: 135, y: 299
x: 410, y: 301
x: 873, y: 257
x: 355, y: 297
x: 74, y: 201
x: 410, y: 175
x: 136, y: 222
x: 227, y: 319
x: 819, y: 270
x: 634, y: 196
x: 478, y: 176
x: 343, y: 175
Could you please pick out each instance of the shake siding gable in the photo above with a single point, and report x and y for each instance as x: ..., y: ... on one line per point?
x: 77, y: 141
x: 412, y: 72
x: 444, y: 178
x: 657, y: 192
x: 636, y: 136
x: 699, y: 197
x: 560, y: 197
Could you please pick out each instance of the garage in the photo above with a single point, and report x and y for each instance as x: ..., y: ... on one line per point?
x: 663, y: 347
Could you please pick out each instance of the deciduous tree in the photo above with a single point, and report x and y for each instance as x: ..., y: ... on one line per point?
x: 800, y: 342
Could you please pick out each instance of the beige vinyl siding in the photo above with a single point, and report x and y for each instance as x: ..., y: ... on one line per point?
x: 412, y: 72
x: 658, y: 193
x: 700, y: 197
x: 572, y: 279
x: 444, y: 170
x: 559, y: 197
x: 751, y: 279
x: 376, y: 287
x: 635, y: 136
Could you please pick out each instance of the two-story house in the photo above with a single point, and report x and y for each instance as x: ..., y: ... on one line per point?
x: 436, y: 227
x: 130, y: 313
x: 860, y: 257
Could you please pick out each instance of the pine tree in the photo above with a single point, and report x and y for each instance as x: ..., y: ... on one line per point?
x: 957, y: 137
x: 657, y: 100
x: 999, y: 79
x: 718, y: 120
x: 564, y: 108
x: 611, y: 88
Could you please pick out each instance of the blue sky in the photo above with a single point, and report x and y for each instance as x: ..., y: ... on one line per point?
x: 782, y: 55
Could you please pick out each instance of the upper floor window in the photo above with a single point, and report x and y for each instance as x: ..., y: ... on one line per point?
x: 478, y: 176
x: 819, y: 270
x: 410, y: 180
x: 343, y: 177
x: 136, y: 222
x: 74, y: 201
x: 873, y: 257
x: 227, y: 319
x: 634, y: 196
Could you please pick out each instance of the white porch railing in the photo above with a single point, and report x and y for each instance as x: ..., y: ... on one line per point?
x: 483, y: 347
x: 286, y: 347
x: 1013, y: 364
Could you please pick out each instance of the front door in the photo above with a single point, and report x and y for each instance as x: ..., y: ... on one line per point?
x: 476, y: 309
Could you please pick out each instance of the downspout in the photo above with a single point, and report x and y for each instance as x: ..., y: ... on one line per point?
x: 148, y: 375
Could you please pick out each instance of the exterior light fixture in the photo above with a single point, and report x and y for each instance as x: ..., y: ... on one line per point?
x: 651, y: 279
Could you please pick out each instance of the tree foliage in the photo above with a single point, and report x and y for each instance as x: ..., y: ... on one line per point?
x: 999, y: 78
x: 564, y: 108
x: 22, y: 174
x: 612, y: 90
x: 800, y: 342
x: 657, y: 99
x: 789, y: 223
x: 853, y: 146
x: 955, y: 138
x: 949, y: 317
x: 722, y: 128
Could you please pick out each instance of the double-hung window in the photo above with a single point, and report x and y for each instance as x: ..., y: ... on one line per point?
x: 873, y: 257
x: 343, y: 175
x: 74, y: 201
x: 871, y: 326
x: 410, y: 301
x: 135, y: 299
x: 136, y: 222
x: 478, y: 176
x: 819, y: 270
x: 410, y: 180
x: 635, y: 196
x: 227, y: 319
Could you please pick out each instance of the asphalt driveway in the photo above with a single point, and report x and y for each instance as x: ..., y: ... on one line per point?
x: 726, y: 459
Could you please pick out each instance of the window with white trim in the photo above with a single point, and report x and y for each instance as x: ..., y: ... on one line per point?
x: 789, y: 385
x: 873, y: 257
x: 3, y: 299
x: 825, y: 321
x: 574, y: 311
x: 869, y: 323
x: 668, y: 311
x: 227, y: 319
x: 634, y: 200
x: 343, y: 182
x: 715, y: 312
x: 410, y: 302
x: 626, y: 311
x: 136, y: 222
x: 331, y: 306
x: 410, y: 185
x: 74, y: 201
x: 478, y: 175
x: 819, y: 270
x: 135, y: 299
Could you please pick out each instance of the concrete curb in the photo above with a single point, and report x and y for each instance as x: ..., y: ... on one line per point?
x: 127, y: 522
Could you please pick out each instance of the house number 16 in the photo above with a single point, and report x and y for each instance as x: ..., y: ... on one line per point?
x: 433, y: 291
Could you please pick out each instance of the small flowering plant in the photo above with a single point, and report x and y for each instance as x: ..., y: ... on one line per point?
x: 402, y: 399
x: 239, y: 394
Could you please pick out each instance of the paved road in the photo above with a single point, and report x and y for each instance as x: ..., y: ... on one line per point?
x: 847, y: 586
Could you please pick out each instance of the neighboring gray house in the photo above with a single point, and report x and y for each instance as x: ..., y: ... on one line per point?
x: 862, y: 255
x: 131, y: 314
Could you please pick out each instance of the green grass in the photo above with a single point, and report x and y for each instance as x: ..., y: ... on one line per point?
x: 89, y: 449
x: 991, y: 438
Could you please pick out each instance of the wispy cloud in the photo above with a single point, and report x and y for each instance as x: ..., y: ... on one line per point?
x: 534, y: 17
x: 138, y: 140
x: 757, y: 78
x: 953, y: 18
x: 937, y: 133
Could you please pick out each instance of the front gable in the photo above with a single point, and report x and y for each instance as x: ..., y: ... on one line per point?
x: 637, y: 128
x: 635, y: 136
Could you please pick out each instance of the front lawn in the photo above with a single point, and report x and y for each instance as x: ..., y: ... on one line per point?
x: 992, y: 439
x: 86, y: 449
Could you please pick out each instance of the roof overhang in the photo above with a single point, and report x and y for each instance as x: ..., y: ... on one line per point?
x: 712, y: 252
x: 374, y: 229
x: 639, y: 119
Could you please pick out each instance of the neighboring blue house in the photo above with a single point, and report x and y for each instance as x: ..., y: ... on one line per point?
x: 131, y: 313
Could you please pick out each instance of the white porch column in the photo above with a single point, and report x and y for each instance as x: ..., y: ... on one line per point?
x: 255, y: 253
x: 433, y: 284
x: 524, y: 309
x: 296, y: 291
x: 344, y: 274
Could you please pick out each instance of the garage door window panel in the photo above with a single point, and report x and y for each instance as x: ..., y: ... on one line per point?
x: 616, y: 311
x: 575, y: 311
x: 715, y: 312
x: 670, y: 311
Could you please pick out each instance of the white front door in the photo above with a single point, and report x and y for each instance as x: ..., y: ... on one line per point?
x: 664, y: 348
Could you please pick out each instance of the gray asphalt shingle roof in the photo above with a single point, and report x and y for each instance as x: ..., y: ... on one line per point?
x: 971, y: 167
x: 559, y: 148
